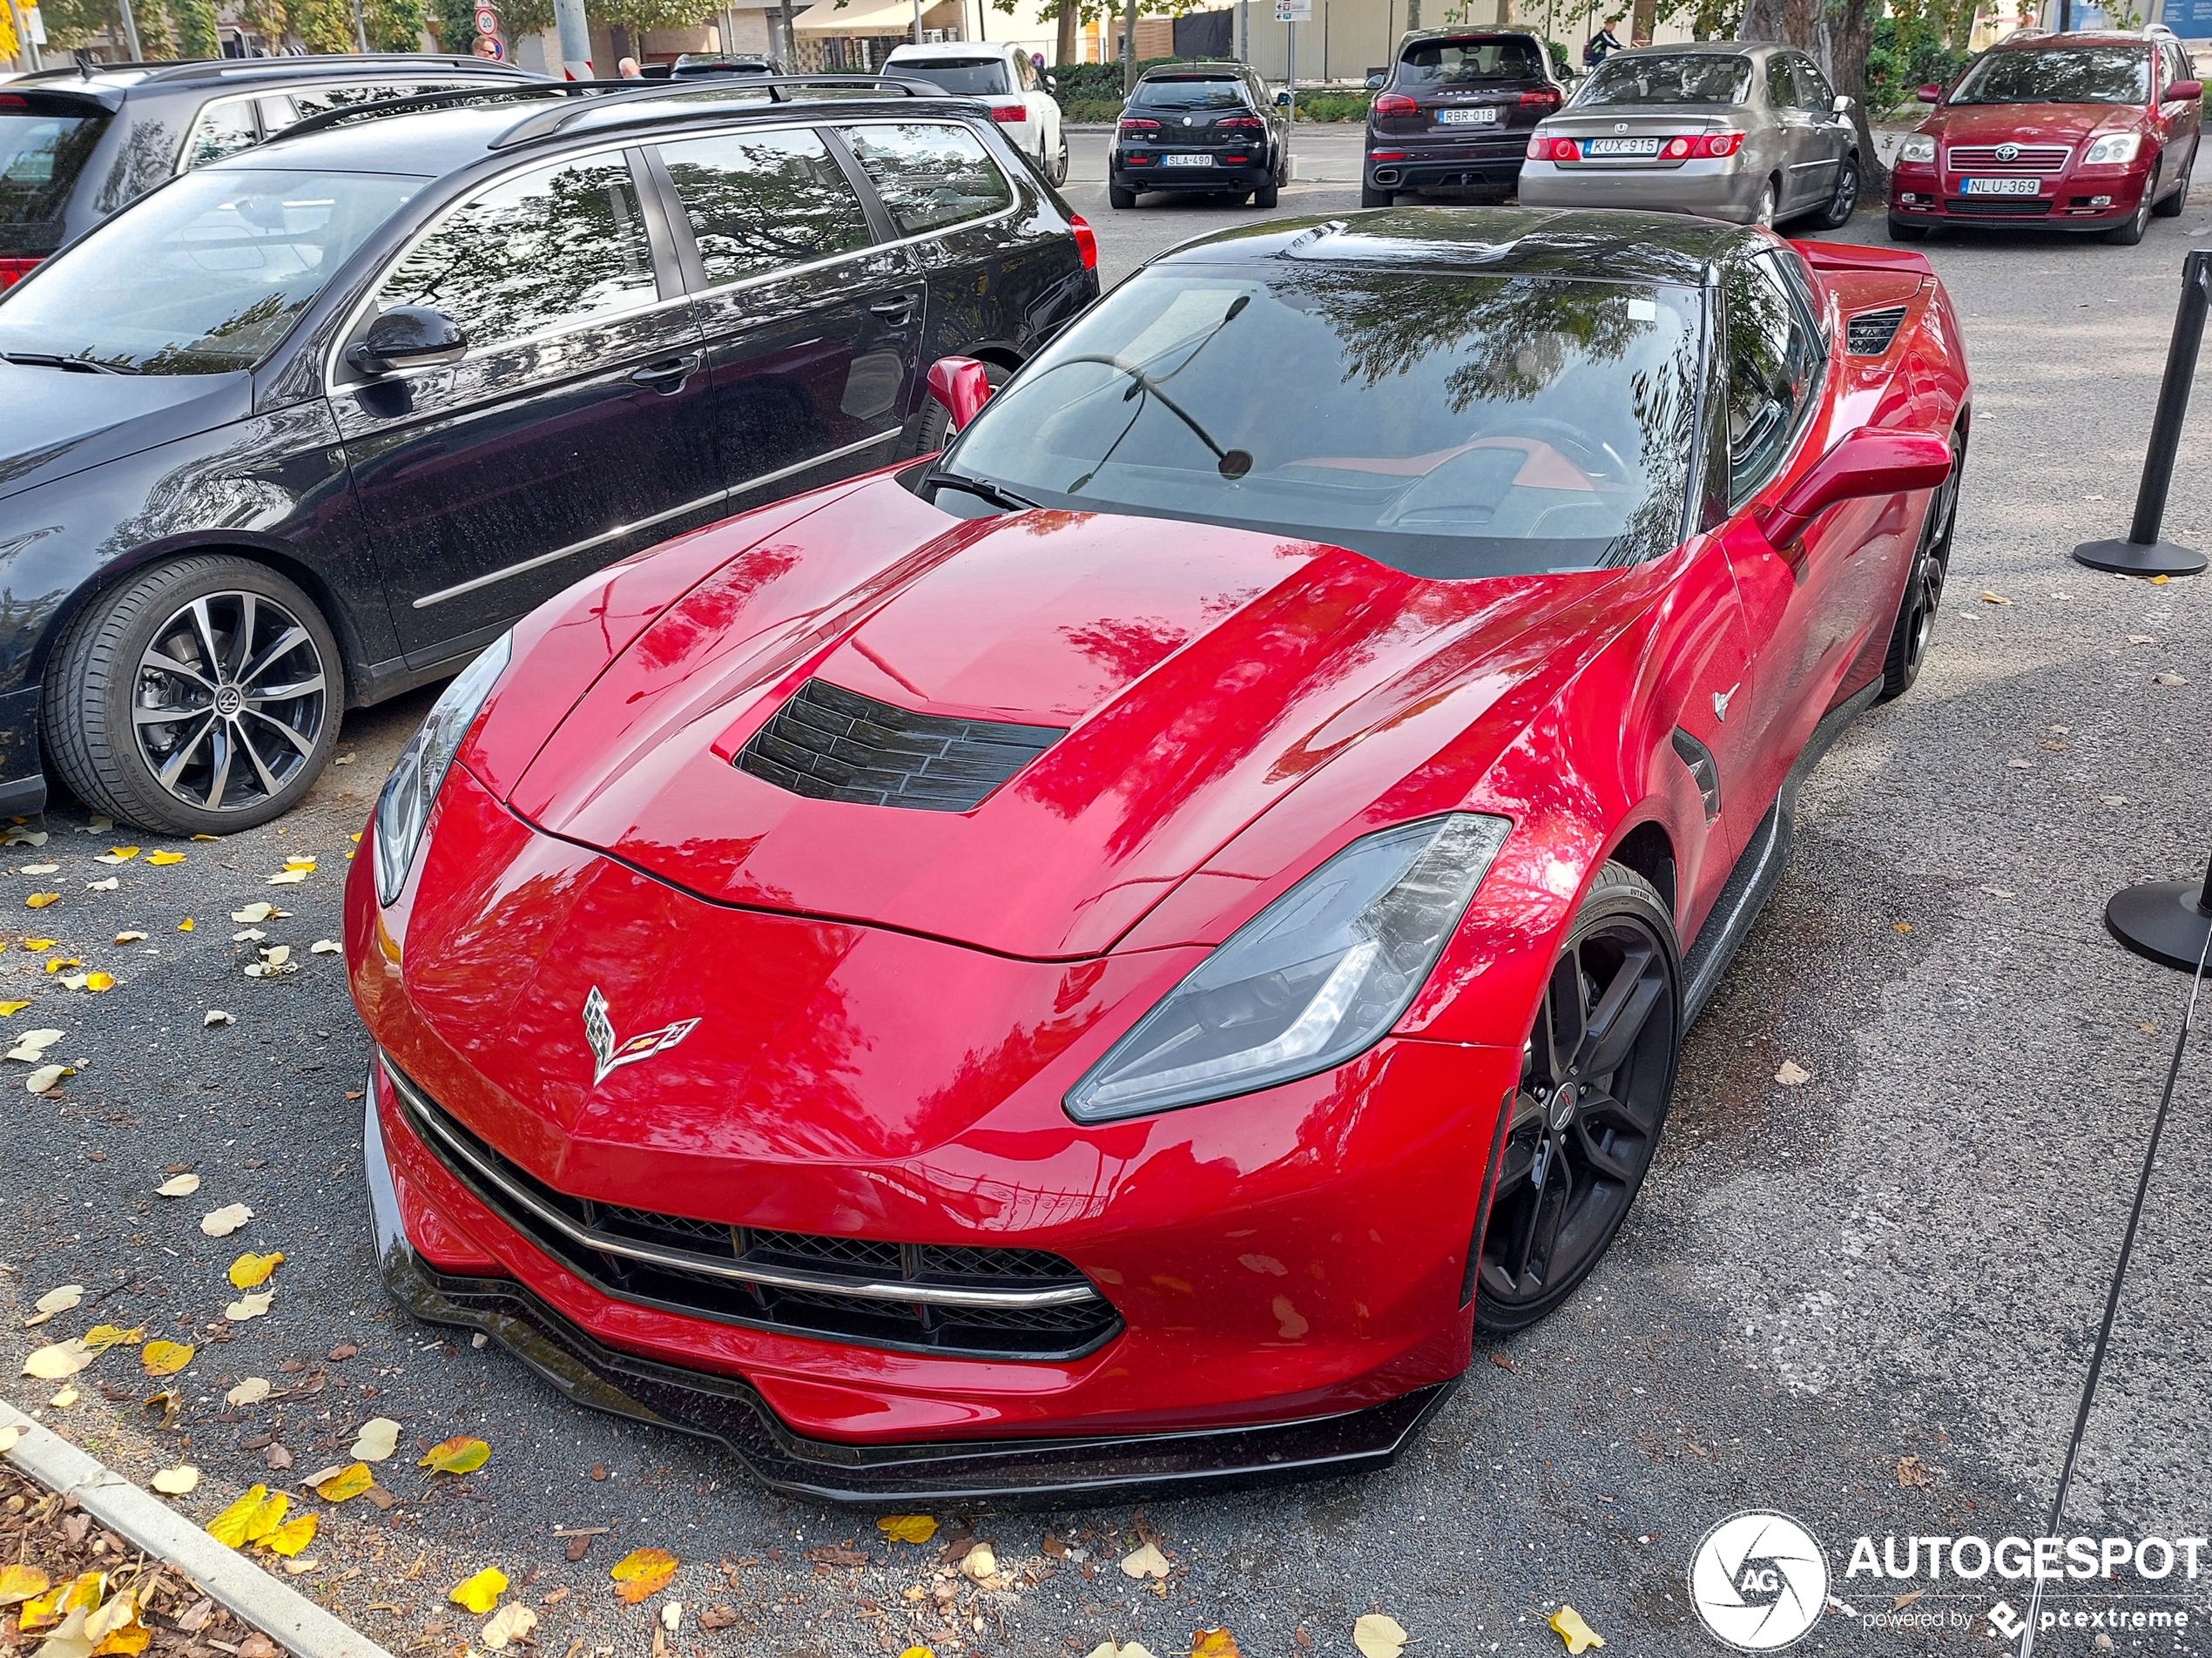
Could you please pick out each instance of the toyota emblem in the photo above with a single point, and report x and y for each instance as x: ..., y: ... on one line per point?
x: 2008, y: 153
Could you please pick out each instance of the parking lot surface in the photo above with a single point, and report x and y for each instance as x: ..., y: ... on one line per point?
x: 1864, y: 1299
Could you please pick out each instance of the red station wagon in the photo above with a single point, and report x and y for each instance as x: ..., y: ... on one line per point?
x: 2082, y: 131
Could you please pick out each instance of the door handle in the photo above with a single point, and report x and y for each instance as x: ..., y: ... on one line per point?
x: 900, y: 310
x: 668, y: 376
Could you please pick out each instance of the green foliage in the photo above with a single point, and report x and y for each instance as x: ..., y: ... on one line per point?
x: 195, y: 25
x: 1332, y: 106
x: 456, y: 20
x: 1904, y: 54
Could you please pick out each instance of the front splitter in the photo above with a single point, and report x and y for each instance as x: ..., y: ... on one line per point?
x: 729, y: 1411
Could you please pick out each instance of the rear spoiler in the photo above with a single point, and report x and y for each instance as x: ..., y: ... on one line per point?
x: 1852, y: 256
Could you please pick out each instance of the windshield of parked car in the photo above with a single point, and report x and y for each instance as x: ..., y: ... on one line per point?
x: 204, y: 276
x: 1189, y: 95
x: 963, y: 76
x: 2063, y: 75
x: 1485, y: 60
x: 1446, y: 424
x: 41, y: 155
x: 1668, y: 77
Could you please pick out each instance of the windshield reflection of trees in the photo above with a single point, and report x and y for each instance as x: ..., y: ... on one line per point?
x: 2078, y: 75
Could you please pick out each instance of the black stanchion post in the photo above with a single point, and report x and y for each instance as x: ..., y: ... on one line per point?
x: 2164, y: 921
x: 2142, y: 553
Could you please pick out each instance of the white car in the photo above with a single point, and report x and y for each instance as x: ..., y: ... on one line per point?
x: 1002, y: 76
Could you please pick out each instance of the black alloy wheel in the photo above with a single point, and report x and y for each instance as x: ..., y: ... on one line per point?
x: 2128, y: 234
x: 1596, y: 1084
x: 1915, y: 614
x: 1845, y: 202
x: 1058, y: 171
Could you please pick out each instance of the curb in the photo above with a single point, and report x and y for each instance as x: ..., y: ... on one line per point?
x: 279, y: 1611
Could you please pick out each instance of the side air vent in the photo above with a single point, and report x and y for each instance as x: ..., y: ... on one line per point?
x: 1869, y: 333
x: 1702, y: 771
x: 837, y: 745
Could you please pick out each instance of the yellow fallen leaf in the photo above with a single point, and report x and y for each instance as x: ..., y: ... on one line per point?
x: 67, y: 1397
x: 81, y: 1593
x: 287, y: 878
x: 100, y: 1337
x: 165, y: 857
x: 1144, y: 1561
x: 908, y: 1529
x: 178, y: 1186
x: 60, y: 1299
x: 32, y: 1043
x: 378, y: 1437
x: 290, y: 1538
x: 1377, y: 1636
x: 251, y: 1391
x: 21, y: 1583
x: 39, y: 900
x: 9, y: 1436
x: 184, y: 925
x: 510, y: 1623
x: 116, y: 1631
x: 250, y: 1269
x: 9, y: 1009
x: 43, y: 1080
x: 326, y: 946
x: 164, y: 1357
x: 1214, y: 1643
x: 75, y: 981
x: 57, y: 1362
x: 223, y: 1222
x: 260, y: 910
x: 179, y: 1481
x: 253, y: 1304
x: 99, y: 982
x: 116, y: 855
x: 346, y: 1483
x: 1567, y: 1624
x: 130, y: 938
x: 55, y: 964
x: 34, y: 946
x: 1110, y: 1649
x: 299, y: 863
x: 459, y: 1454
x: 107, y: 885
x: 481, y: 1592
x: 641, y: 1572
x: 228, y: 1528
x: 207, y: 837
x: 265, y: 1519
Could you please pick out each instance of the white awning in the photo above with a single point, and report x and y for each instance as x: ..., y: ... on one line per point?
x: 858, y: 17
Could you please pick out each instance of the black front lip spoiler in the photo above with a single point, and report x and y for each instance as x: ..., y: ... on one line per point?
x: 729, y: 1410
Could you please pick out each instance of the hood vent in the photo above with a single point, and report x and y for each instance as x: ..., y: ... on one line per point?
x: 836, y: 745
x: 1869, y: 333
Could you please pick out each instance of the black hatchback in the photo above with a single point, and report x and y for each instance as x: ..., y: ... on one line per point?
x: 1200, y: 126
x: 78, y: 144
x: 311, y: 426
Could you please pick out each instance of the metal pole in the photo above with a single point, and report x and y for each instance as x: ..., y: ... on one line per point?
x: 130, y: 33
x: 575, y: 39
x: 1129, y: 48
x: 917, y: 23
x: 360, y: 30
x: 2142, y: 553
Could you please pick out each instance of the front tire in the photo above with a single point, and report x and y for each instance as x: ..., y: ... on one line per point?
x: 200, y: 697
x: 1901, y: 232
x: 2128, y: 234
x: 1582, y: 1128
x: 1845, y: 202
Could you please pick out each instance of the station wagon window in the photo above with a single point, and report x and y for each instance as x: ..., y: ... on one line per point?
x: 929, y: 176
x: 1773, y: 362
x: 538, y: 250
x: 760, y: 201
x: 223, y: 129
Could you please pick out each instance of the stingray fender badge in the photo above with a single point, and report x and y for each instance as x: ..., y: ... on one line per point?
x: 609, y: 1055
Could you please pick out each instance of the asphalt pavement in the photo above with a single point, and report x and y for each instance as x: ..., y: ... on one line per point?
x: 1864, y: 1299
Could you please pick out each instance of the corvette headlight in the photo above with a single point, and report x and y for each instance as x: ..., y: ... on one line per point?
x: 410, y: 792
x: 2114, y: 147
x: 1918, y: 146
x: 1314, y: 978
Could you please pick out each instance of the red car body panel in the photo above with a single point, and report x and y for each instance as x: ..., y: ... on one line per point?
x: 898, y: 1002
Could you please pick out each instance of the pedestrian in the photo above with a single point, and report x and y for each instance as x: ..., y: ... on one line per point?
x: 628, y: 70
x: 1601, y: 43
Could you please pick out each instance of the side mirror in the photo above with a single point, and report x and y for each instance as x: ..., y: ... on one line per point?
x: 1374, y: 83
x: 1282, y: 100
x: 1931, y: 93
x: 408, y: 336
x: 1842, y: 105
x: 2185, y: 91
x: 963, y: 387
x: 1051, y: 83
x: 1871, y: 461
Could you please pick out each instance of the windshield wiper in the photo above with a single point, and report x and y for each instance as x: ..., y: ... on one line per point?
x: 1006, y: 499
x: 48, y: 360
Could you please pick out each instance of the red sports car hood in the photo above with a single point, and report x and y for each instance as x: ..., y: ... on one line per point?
x: 1200, y: 674
x: 2032, y: 123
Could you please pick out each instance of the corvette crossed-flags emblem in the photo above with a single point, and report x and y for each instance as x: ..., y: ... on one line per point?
x: 609, y: 1055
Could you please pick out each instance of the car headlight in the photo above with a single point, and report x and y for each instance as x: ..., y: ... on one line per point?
x: 404, y: 806
x: 1315, y: 978
x: 1918, y: 146
x: 2112, y: 148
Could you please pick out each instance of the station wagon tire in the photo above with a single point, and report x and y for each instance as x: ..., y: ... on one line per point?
x: 937, y: 420
x: 1582, y: 1128
x: 2128, y: 234
x: 2178, y: 198
x: 1845, y: 202
x: 1118, y: 196
x: 1901, y: 232
x: 1268, y: 194
x: 1916, y: 611
x: 248, y: 664
x: 1370, y: 197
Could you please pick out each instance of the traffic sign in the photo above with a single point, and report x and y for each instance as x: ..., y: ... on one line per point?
x: 1293, y: 11
x: 487, y: 21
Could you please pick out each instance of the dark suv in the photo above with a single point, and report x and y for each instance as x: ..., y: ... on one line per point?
x: 312, y: 425
x: 1200, y: 126
x: 1455, y: 113
x: 78, y: 144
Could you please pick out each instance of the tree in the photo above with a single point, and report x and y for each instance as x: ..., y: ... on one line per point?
x: 195, y: 24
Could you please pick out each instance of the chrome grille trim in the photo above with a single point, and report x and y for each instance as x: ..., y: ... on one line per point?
x: 2032, y: 157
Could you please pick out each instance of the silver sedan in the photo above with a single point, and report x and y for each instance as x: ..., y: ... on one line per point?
x: 1754, y: 134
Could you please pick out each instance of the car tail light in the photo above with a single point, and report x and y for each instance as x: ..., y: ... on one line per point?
x: 1395, y: 104
x: 1009, y: 112
x: 1557, y: 149
x: 13, y: 270
x: 1246, y: 123
x: 1720, y: 143
x: 1544, y: 98
x: 9, y: 101
x: 1134, y: 124
x: 1086, y: 241
x: 1389, y: 155
x: 1678, y: 147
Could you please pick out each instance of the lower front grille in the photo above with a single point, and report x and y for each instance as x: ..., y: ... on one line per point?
x: 1999, y: 206
x: 969, y: 1300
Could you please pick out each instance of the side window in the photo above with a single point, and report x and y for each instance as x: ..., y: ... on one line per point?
x: 929, y: 177
x: 758, y: 201
x: 1025, y: 72
x: 1813, y: 91
x: 223, y: 129
x: 1772, y: 368
x: 538, y: 250
x: 1781, y: 89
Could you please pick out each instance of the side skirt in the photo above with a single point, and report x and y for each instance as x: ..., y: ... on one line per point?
x: 1756, y: 872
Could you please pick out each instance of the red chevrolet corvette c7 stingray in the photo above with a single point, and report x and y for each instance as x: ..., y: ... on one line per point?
x: 1099, y: 959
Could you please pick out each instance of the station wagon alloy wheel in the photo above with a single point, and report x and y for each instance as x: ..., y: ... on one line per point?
x: 230, y: 701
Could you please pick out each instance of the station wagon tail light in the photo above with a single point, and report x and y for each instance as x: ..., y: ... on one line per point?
x: 1135, y: 123
x: 1010, y: 112
x: 1248, y: 123
x: 1545, y: 98
x: 1720, y: 143
x: 1086, y: 241
x: 1395, y: 104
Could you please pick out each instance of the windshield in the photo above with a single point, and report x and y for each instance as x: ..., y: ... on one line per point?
x: 40, y: 157
x: 204, y: 276
x: 1489, y: 60
x: 1189, y: 95
x: 1444, y: 424
x: 963, y: 77
x: 2065, y: 75
x: 1669, y: 77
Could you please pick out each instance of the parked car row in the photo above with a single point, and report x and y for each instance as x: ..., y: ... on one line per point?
x: 312, y: 423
